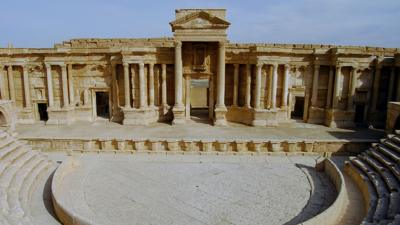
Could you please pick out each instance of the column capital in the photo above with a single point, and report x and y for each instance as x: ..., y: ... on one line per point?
x: 178, y: 44
x: 163, y: 66
x: 125, y: 64
x: 316, y: 66
x: 222, y: 44
x: 47, y: 65
x: 151, y: 64
x: 236, y: 65
x: 287, y: 66
x: 141, y: 64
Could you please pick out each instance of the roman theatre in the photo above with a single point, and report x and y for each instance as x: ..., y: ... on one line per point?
x: 195, y: 129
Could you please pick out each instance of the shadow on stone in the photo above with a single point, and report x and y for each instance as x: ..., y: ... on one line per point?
x: 322, y: 194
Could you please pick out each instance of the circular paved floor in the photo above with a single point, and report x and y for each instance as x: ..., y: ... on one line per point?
x: 203, y: 190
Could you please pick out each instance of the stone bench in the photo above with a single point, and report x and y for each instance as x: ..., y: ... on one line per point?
x: 393, y: 167
x: 388, y: 152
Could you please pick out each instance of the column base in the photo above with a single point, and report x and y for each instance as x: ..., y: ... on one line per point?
x: 58, y: 116
x: 316, y: 115
x: 220, y: 119
x: 179, y: 115
x: 339, y: 118
x: 26, y: 116
x: 165, y: 113
x: 143, y: 116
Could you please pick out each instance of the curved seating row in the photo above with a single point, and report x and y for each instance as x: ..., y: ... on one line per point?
x: 20, y: 170
x: 377, y: 173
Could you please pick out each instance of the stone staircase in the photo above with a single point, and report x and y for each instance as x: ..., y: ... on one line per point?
x: 377, y: 173
x: 21, y: 171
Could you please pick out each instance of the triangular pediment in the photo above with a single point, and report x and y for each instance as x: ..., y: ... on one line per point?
x: 199, y: 20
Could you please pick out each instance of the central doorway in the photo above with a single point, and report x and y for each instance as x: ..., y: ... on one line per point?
x: 102, y: 105
x: 298, y: 110
x: 199, y: 100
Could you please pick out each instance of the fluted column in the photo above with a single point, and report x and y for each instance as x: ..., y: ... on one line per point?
x: 71, y: 86
x: 314, y: 97
x: 178, y: 74
x: 142, y: 86
x: 330, y: 83
x: 151, y: 85
x: 257, y: 91
x: 2, y: 83
x: 336, y: 87
x: 163, y: 85
x: 285, y: 90
x: 27, y: 93
x: 126, y: 86
x: 391, y: 83
x: 235, y: 84
x: 50, y: 92
x: 11, y: 82
x: 248, y: 86
x: 64, y: 82
x: 375, y: 88
x: 274, y: 85
x: 352, y: 89
x: 221, y: 76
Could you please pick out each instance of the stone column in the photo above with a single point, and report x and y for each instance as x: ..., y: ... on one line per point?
x: 352, y: 89
x: 178, y: 74
x: 187, y: 92
x: 257, y: 91
x: 221, y: 76
x: 71, y: 86
x: 151, y: 85
x: 330, y: 83
x: 285, y: 90
x: 142, y: 88
x: 27, y: 93
x: 114, y: 85
x: 274, y: 86
x: 375, y: 88
x: 163, y: 84
x: 50, y: 92
x: 64, y: 82
x: 314, y: 97
x: 235, y: 84
x: 248, y: 86
x: 391, y: 83
x: 336, y: 87
x: 11, y: 82
x: 126, y: 86
x: 2, y: 84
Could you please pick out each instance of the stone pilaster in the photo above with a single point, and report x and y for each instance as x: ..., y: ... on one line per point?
x: 248, y: 86
x: 151, y: 85
x: 126, y: 86
x: 11, y: 82
x: 235, y: 83
x: 220, y: 109
x: 71, y: 86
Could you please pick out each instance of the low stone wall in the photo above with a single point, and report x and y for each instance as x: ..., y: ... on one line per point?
x: 208, y: 146
x: 65, y: 215
x: 334, y: 212
x: 393, y: 114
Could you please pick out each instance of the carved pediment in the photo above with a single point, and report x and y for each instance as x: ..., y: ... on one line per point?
x: 199, y: 20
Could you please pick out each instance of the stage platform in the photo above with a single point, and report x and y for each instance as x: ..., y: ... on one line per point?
x: 193, y: 136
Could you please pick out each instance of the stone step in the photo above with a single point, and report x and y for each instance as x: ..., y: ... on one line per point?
x: 365, y: 185
x: 11, y: 157
x: 17, y: 182
x: 25, y: 191
x: 394, y: 205
x: 388, y: 152
x: 394, y: 167
x: 6, y: 142
x: 394, y: 138
x: 7, y: 176
x: 392, y: 145
x: 7, y: 150
x: 388, y: 178
x: 380, y: 187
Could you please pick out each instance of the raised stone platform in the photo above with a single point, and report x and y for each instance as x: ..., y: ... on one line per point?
x: 156, y: 189
x: 198, y: 138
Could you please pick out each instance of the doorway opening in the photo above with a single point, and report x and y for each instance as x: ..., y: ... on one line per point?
x: 3, y: 121
x: 199, y: 100
x: 102, y: 105
x: 298, y: 110
x: 359, y: 114
x: 397, y: 124
x: 42, y: 110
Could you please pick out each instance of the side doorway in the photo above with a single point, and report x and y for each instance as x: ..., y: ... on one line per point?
x: 101, y: 106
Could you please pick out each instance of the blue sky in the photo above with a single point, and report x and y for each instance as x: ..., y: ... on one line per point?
x: 42, y: 23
